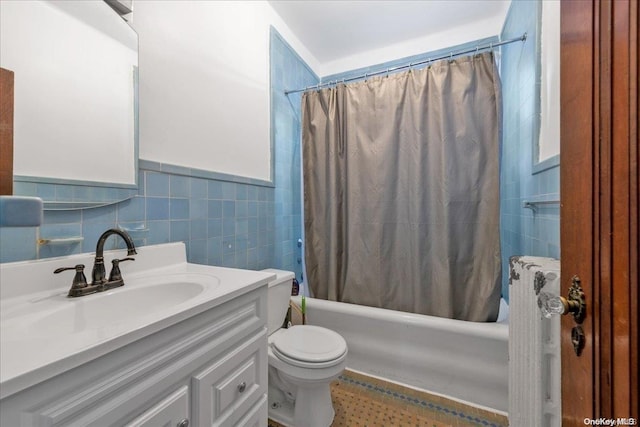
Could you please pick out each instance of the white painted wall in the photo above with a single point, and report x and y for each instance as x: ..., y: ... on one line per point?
x: 453, y: 36
x: 204, y: 83
x: 549, y: 141
x: 73, y: 89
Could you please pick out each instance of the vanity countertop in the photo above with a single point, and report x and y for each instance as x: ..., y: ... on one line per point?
x: 44, y: 333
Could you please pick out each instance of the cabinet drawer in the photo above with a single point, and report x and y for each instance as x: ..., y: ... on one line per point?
x: 257, y: 416
x: 170, y: 411
x: 231, y: 385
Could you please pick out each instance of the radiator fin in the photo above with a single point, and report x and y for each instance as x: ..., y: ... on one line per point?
x: 534, y: 344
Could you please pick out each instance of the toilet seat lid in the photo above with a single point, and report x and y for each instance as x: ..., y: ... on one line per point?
x: 306, y: 343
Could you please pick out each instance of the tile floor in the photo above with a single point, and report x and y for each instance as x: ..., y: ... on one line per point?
x: 360, y: 400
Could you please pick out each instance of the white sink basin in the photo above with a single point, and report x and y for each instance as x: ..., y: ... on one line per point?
x: 44, y: 333
x: 138, y: 298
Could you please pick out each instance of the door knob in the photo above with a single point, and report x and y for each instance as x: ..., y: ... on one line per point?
x: 575, y: 303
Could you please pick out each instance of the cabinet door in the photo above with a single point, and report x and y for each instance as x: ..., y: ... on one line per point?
x: 172, y: 411
x: 230, y: 386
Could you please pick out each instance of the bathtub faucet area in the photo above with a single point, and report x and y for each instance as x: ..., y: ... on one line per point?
x: 80, y: 287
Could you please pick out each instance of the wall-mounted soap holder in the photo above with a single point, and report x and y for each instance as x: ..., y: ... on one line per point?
x: 60, y: 241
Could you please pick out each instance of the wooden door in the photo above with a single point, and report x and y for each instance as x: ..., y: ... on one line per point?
x: 6, y: 132
x: 599, y: 212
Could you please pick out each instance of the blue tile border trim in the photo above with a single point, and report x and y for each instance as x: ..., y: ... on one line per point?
x: 62, y: 181
x: 200, y: 173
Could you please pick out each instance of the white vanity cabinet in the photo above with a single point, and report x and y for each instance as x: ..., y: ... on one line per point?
x: 209, y: 369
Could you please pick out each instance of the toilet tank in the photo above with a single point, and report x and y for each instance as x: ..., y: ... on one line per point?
x: 278, y: 296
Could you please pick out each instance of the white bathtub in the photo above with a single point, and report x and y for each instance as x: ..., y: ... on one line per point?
x: 466, y: 361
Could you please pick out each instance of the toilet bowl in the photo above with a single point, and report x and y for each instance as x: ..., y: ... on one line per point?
x: 303, y: 360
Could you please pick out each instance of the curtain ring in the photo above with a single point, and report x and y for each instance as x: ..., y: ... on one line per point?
x: 477, y: 50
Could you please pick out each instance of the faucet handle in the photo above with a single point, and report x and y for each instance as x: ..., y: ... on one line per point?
x: 79, y: 280
x: 115, y: 269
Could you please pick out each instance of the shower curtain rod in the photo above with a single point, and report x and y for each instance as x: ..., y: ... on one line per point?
x: 409, y: 65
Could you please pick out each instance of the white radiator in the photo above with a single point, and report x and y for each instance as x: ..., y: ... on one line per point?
x: 534, y: 344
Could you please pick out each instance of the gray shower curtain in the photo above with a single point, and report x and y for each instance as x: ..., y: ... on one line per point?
x: 401, y: 190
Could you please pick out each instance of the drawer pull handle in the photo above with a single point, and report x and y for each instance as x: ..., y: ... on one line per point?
x: 242, y: 387
x: 183, y: 423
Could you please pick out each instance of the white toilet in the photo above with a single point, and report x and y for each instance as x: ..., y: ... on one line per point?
x: 303, y: 360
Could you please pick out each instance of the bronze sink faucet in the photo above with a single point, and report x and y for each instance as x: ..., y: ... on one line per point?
x: 100, y: 283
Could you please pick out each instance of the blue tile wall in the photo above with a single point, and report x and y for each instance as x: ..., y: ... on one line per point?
x: 211, y: 216
x: 69, y: 192
x: 288, y: 71
x: 523, y: 231
x: 18, y: 243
